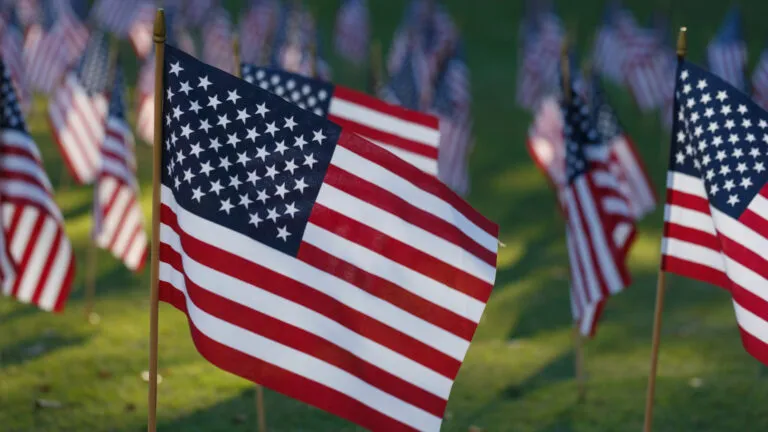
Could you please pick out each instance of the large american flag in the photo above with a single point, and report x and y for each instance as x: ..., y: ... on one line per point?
x: 217, y: 40
x: 257, y: 27
x: 312, y: 261
x: 53, y: 44
x: 352, y: 31
x: 727, y: 52
x: 33, y: 225
x: 411, y: 135
x: 118, y: 220
x: 78, y: 110
x: 715, y: 222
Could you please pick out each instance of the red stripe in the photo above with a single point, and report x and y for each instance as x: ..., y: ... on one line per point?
x: 115, y: 234
x: 686, y: 200
x: 62, y: 149
x: 691, y: 235
x: 379, y: 105
x: 420, y: 179
x: 254, y: 274
x: 10, y: 150
x: 407, y: 256
x: 358, y: 127
x: 391, y: 203
x: 630, y: 144
x: 16, y: 175
x: 66, y: 285
x: 695, y: 271
x: 29, y: 246
x: 49, y: 262
x: 14, y: 222
x: 578, y: 223
x: 304, y: 341
x: 138, y: 229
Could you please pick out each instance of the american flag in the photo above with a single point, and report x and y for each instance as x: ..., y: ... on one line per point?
x: 537, y: 74
x: 140, y: 30
x: 352, y: 31
x: 118, y: 220
x: 196, y: 11
x: 647, y: 69
x: 608, y: 51
x: 409, y: 86
x: 78, y: 110
x: 312, y: 261
x: 33, y: 225
x: 296, y: 44
x: 257, y: 27
x: 28, y: 11
x: 411, y: 135
x: 599, y: 229
x: 12, y: 51
x: 52, y: 45
x: 217, y: 41
x: 624, y: 160
x: 715, y: 222
x: 760, y: 81
x: 727, y: 52
x: 116, y: 16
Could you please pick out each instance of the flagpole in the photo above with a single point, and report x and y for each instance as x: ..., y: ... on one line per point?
x: 159, y: 39
x: 578, y: 349
x: 660, y: 289
x: 262, y: 416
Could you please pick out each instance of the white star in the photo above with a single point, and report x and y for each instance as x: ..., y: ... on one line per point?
x: 262, y: 110
x: 730, y: 124
x: 309, y: 160
x: 710, y: 174
x: 282, y: 233
x: 684, y: 75
x: 206, y: 168
x: 709, y: 112
x: 733, y: 200
x: 280, y: 147
x: 746, y: 123
x: 721, y: 96
x: 300, y: 142
x: 224, y: 163
x: 180, y: 157
x: 197, y: 194
x: 680, y: 137
x: 281, y: 190
x: 289, y: 123
x: 322, y: 94
x: 759, y: 167
x: 701, y: 85
x: 717, y: 141
x: 725, y: 110
x: 290, y: 210
x: 204, y: 125
x: 754, y: 152
x: 233, y: 140
x: 741, y: 167
x: 245, y: 201
x: 695, y: 117
x: 188, y: 175
x: 272, y: 214
x: 706, y: 98
x: 170, y: 94
x: 737, y: 153
x: 176, y: 183
x: 215, y: 145
x: 255, y: 220
x: 186, y: 131
x: 174, y: 138
x: 742, y: 109
x: 216, y: 187
x: 300, y: 185
x: 714, y: 189
x: 242, y: 158
x: 750, y: 138
x: 253, y: 177
x: 290, y: 166
x: 213, y: 101
x: 168, y: 119
x: 204, y: 83
x: 234, y: 181
x: 713, y: 127
x: 725, y: 170
x: 271, y: 172
x: 687, y: 89
x: 194, y: 106
x: 232, y: 96
x: 263, y: 197
x: 762, y: 124
x: 271, y: 129
x: 706, y: 160
x: 252, y: 134
x: 242, y: 115
x: 261, y: 153
x: 224, y: 121
x: 176, y: 68
x: 720, y: 155
x: 185, y: 88
x: 226, y: 206
x: 746, y: 182
x: 729, y: 185
x: 196, y: 150
x: 176, y: 113
x: 318, y: 136
x: 733, y: 139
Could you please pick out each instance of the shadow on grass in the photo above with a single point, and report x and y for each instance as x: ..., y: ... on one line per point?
x: 34, y: 348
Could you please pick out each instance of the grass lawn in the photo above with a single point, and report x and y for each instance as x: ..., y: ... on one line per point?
x: 518, y: 375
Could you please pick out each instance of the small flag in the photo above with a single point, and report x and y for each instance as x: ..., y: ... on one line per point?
x: 727, y: 53
x: 140, y: 29
x: 217, y: 41
x: 352, y: 31
x: 12, y: 51
x: 257, y: 28
x: 310, y: 260
x: 538, y: 73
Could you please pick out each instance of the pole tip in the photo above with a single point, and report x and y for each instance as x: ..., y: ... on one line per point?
x: 682, y: 43
x: 159, y: 30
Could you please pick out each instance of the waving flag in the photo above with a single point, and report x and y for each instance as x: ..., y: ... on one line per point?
x: 78, y: 110
x: 33, y: 226
x: 312, y: 261
x: 715, y: 224
x: 727, y: 53
x: 217, y: 41
x: 118, y: 220
x: 411, y: 135
x: 352, y: 30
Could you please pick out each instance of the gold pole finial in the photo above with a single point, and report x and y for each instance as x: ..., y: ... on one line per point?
x: 682, y: 42
x: 159, y: 29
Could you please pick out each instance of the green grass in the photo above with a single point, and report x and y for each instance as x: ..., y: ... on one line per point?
x: 518, y: 375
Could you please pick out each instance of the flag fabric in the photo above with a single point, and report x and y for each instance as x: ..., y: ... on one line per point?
x: 597, y: 219
x: 118, y: 219
x: 296, y: 44
x: 12, y: 52
x: 116, y: 16
x: 196, y: 11
x: 140, y: 29
x: 409, y: 86
x: 78, y: 110
x: 760, y: 81
x: 716, y: 186
x: 33, y: 225
x: 647, y: 68
x: 538, y: 73
x: 217, y: 41
x: 352, y: 31
x: 727, y: 52
x: 257, y: 28
x: 608, y: 51
x: 624, y: 160
x: 28, y: 11
x: 411, y: 135
x: 310, y: 260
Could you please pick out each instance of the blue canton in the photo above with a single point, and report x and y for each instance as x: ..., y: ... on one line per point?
x: 606, y: 121
x: 578, y: 131
x: 307, y: 93
x: 239, y: 156
x: 721, y: 136
x: 117, y: 96
x: 10, y: 116
x: 93, y: 70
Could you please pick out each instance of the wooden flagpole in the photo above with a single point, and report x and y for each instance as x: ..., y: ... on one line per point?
x: 578, y: 349
x: 159, y: 39
x: 262, y: 416
x: 660, y: 289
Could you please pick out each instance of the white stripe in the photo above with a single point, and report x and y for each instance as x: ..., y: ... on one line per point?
x: 126, y: 230
x: 68, y: 139
x: 298, y: 363
x: 688, y: 218
x: 621, y: 234
x: 421, y: 162
x: 384, y: 122
x: 592, y: 289
x: 587, y: 319
x: 136, y: 250
x: 23, y: 231
x: 19, y: 140
x: 616, y: 206
x: 641, y: 189
x: 106, y: 188
x: 412, y: 235
x: 417, y: 197
x: 344, y: 292
x: 112, y: 218
x: 24, y: 190
x: 692, y: 252
x: 739, y: 233
x: 53, y: 284
x: 36, y: 262
x: 751, y: 323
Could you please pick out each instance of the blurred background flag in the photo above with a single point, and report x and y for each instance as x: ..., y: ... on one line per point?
x: 140, y: 29
x: 217, y: 40
x: 352, y: 32
x: 760, y: 80
x: 257, y: 27
x: 116, y: 16
x: 608, y: 51
x: 33, y: 224
x: 537, y: 73
x: 11, y: 49
x: 727, y: 52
